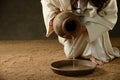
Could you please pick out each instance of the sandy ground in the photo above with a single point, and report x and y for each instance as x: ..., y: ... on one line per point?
x: 31, y: 59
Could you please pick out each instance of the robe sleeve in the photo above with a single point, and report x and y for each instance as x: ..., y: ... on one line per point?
x: 97, y: 24
x: 50, y: 10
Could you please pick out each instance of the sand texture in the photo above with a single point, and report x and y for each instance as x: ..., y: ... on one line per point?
x: 31, y: 59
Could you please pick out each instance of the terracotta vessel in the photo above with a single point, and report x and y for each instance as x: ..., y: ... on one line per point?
x: 67, y: 23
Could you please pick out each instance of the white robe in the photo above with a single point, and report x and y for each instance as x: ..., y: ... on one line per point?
x: 94, y: 44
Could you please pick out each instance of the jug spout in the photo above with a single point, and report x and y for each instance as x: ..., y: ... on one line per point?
x: 67, y: 23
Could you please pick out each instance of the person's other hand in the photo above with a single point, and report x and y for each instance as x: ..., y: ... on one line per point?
x: 83, y: 30
x: 51, y: 23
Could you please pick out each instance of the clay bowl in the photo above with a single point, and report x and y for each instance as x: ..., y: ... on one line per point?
x: 66, y: 68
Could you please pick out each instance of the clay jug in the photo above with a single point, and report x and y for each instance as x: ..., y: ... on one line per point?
x: 67, y: 23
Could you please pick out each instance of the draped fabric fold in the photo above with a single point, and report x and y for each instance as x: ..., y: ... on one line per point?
x: 96, y: 43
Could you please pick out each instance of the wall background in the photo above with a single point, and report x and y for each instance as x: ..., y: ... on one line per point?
x: 23, y: 20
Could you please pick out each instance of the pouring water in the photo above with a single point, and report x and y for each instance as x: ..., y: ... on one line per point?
x: 73, y: 53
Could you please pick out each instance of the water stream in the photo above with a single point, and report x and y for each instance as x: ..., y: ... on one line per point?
x: 73, y: 52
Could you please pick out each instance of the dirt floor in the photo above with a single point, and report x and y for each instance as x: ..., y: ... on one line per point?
x: 31, y: 59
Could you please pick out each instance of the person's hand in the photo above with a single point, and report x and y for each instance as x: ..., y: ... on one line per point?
x: 51, y: 23
x: 83, y: 30
x: 67, y: 36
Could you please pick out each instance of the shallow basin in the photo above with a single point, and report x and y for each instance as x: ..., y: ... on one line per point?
x: 73, y: 67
